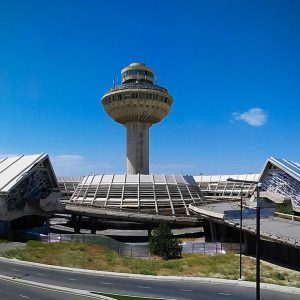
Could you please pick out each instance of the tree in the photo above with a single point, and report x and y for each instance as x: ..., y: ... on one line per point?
x: 162, y: 243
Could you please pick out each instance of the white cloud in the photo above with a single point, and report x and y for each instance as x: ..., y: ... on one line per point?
x: 254, y: 117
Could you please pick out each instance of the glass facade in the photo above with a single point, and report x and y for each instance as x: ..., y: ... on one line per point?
x: 137, y: 72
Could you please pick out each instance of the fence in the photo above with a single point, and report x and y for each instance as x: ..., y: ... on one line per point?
x: 141, y: 249
x: 136, y: 250
x: 211, y: 248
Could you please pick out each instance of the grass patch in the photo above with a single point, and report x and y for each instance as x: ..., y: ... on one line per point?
x: 3, y: 241
x: 94, y: 257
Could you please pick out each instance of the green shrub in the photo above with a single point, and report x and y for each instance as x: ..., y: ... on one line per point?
x: 162, y: 243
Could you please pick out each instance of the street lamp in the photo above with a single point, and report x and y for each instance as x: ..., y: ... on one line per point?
x: 258, y: 207
x: 241, y: 225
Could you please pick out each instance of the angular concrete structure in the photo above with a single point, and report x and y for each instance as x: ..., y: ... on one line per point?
x: 281, y: 181
x: 137, y: 104
x: 28, y: 186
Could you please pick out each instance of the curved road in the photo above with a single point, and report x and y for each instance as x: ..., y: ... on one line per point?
x: 11, y: 290
x: 181, y: 290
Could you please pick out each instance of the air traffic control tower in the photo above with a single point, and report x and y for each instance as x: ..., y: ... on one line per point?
x: 137, y: 104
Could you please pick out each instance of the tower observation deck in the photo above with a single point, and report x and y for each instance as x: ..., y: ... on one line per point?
x: 137, y: 104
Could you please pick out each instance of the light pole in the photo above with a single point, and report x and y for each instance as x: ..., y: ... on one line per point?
x: 241, y: 225
x: 258, y: 207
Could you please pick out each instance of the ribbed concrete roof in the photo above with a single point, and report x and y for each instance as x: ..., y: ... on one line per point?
x: 68, y: 184
x: 216, y: 178
x: 12, y: 169
x: 159, y: 194
x: 218, y: 187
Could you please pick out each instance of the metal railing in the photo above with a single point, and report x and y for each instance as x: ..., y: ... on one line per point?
x: 137, y: 86
x: 287, y: 216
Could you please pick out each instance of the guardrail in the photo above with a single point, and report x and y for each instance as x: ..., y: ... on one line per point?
x: 287, y: 216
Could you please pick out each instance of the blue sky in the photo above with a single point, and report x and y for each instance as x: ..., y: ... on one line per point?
x: 232, y: 67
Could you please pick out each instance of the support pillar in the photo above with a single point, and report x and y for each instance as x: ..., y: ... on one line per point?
x: 93, y: 225
x: 223, y: 233
x: 76, y: 222
x: 213, y: 230
x: 48, y: 228
x: 137, y: 147
x: 207, y: 231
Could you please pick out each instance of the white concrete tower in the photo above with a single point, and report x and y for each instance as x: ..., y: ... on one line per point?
x: 137, y: 104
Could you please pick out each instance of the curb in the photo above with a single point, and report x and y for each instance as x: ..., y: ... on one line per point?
x: 266, y: 286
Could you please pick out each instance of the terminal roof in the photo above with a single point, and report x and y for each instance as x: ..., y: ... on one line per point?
x: 12, y: 169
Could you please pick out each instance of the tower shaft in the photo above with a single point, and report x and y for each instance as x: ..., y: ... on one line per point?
x: 137, y: 147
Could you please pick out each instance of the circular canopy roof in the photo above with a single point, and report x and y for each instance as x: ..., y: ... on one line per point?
x: 154, y: 194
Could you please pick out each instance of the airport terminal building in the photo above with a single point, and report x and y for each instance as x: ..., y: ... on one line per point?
x: 30, y: 191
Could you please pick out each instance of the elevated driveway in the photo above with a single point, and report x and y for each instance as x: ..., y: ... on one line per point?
x: 272, y: 228
x: 118, y: 215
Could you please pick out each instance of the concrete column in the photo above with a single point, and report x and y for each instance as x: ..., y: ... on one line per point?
x: 76, y: 222
x: 137, y: 147
x: 223, y: 233
x: 213, y: 230
x: 93, y: 225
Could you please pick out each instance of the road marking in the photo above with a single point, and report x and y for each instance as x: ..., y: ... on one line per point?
x: 40, y: 274
x: 107, y: 283
x: 73, y: 279
x: 15, y: 270
x: 144, y: 287
x: 24, y: 296
x: 224, y: 294
x: 186, y: 290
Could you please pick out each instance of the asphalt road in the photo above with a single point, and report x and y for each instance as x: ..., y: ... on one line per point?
x: 10, y: 290
x: 124, y: 285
